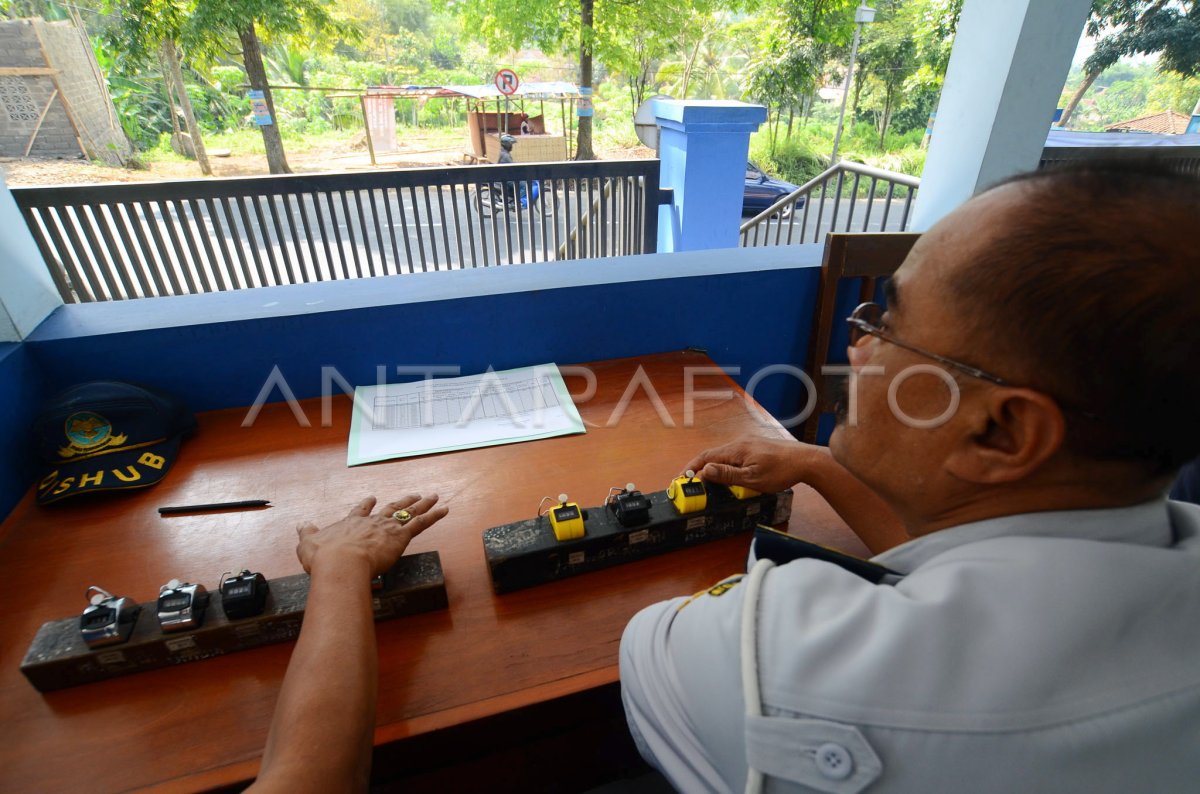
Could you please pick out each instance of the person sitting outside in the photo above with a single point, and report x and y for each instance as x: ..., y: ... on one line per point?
x: 1039, y: 627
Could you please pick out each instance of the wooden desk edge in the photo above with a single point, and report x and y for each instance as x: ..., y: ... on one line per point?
x: 245, y: 771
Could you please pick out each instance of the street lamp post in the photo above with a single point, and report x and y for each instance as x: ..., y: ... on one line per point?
x: 863, y: 15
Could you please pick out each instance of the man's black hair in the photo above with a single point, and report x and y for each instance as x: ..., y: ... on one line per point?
x: 1089, y: 289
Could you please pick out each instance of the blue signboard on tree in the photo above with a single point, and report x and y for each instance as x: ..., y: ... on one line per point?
x: 258, y: 105
x: 583, y: 105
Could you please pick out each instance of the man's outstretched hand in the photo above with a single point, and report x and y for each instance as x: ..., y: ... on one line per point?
x: 375, y: 538
x: 764, y: 464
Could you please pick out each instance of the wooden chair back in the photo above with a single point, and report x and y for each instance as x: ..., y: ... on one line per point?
x: 869, y: 256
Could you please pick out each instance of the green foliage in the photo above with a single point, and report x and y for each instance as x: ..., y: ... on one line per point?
x: 614, y: 125
x: 410, y: 15
x: 249, y: 141
x: 141, y: 108
x: 142, y: 25
x: 933, y: 23
x: 46, y: 9
x: 778, y: 53
x: 704, y: 59
x: 625, y: 35
x: 889, y: 57
x: 805, y: 154
x: 213, y: 25
x: 140, y: 101
x: 287, y: 65
x: 792, y: 42
x: 918, y: 102
x: 1128, y: 91
x: 782, y: 69
x: 1146, y: 27
x: 793, y: 159
x: 137, y: 96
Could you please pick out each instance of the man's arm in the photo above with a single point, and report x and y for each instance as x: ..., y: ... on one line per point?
x: 321, y: 735
x: 768, y: 465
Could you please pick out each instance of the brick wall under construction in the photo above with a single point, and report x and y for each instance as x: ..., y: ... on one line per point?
x: 53, y: 97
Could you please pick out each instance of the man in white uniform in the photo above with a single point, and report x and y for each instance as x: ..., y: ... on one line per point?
x: 1041, y: 627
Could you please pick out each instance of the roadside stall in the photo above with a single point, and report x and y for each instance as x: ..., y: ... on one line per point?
x: 490, y: 114
x: 523, y: 116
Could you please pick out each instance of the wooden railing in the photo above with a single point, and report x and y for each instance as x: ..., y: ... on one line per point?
x: 114, y: 242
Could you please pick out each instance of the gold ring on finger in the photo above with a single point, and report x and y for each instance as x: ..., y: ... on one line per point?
x: 403, y: 516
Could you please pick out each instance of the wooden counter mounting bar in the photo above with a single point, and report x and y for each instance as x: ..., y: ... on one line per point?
x: 58, y: 657
x: 526, y: 553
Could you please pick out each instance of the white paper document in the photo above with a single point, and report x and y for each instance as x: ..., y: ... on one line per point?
x: 399, y: 420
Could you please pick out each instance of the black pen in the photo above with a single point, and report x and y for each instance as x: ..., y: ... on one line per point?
x: 166, y: 511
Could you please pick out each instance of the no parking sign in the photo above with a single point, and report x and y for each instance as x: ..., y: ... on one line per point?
x: 506, y: 81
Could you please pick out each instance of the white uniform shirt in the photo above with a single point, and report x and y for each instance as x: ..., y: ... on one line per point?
x: 1055, y: 652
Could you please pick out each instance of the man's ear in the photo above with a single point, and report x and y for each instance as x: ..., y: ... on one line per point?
x: 1009, y: 434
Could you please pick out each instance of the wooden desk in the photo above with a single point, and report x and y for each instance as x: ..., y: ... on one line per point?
x: 204, y: 724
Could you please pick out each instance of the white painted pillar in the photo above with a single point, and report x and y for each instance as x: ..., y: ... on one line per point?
x: 1006, y: 72
x: 27, y: 294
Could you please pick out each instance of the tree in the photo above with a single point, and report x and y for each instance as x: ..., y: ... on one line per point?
x: 646, y: 57
x: 639, y: 73
x: 795, y: 39
x: 710, y: 67
x: 888, y: 56
x: 1168, y: 27
x: 213, y: 22
x: 149, y: 29
x: 780, y: 77
x: 933, y: 23
x: 403, y: 35
x: 595, y: 29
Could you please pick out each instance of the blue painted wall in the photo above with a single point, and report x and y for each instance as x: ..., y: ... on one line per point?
x: 739, y: 318
x: 21, y: 392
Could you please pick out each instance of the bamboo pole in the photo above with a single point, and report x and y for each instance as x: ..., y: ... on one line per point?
x: 38, y: 127
x: 362, y: 101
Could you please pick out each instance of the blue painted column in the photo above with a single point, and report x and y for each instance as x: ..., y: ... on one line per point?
x: 703, y: 147
x: 1194, y: 122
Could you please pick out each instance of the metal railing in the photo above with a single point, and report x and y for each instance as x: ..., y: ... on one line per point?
x: 831, y: 202
x: 113, y: 242
x: 1181, y: 159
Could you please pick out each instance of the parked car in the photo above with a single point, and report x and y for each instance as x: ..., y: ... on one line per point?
x: 762, y: 191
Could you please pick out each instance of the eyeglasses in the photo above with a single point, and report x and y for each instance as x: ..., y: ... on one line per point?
x: 866, y: 319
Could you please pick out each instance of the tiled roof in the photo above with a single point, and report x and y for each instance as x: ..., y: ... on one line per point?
x: 1170, y: 122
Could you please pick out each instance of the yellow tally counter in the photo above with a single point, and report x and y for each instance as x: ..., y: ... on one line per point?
x: 566, y: 519
x: 687, y: 493
x: 742, y: 492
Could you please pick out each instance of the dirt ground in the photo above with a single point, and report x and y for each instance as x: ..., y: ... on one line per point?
x: 348, y: 156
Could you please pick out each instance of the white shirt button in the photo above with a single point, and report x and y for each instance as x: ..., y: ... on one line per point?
x: 834, y: 761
